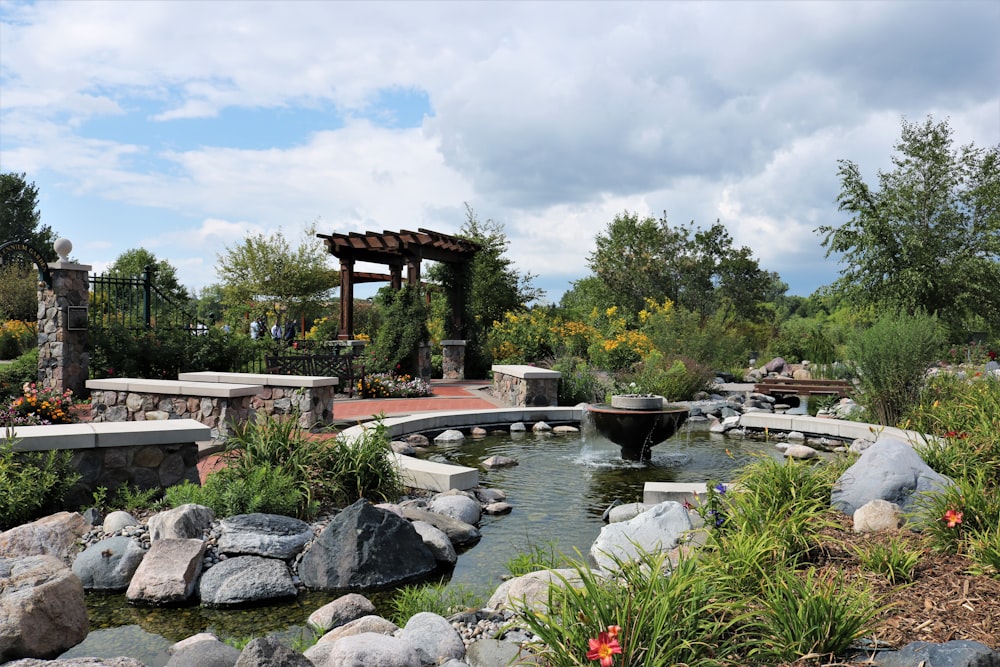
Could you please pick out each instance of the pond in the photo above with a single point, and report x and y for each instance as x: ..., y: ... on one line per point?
x: 559, y: 492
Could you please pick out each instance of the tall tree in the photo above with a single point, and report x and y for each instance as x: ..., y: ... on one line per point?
x: 20, y: 219
x: 927, y: 238
x: 264, y: 272
x: 134, y: 262
x: 698, y: 269
x: 484, y: 289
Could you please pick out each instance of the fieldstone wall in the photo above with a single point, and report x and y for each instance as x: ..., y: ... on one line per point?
x: 526, y: 386
x: 63, y: 360
x: 314, y: 406
x: 453, y: 359
x: 218, y: 413
x: 142, y: 466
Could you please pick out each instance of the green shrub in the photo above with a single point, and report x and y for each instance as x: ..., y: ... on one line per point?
x: 577, y: 383
x: 537, y: 556
x: 673, y: 378
x: 15, y: 375
x: 892, y: 358
x: 32, y: 483
x: 229, y: 491
x: 363, y: 468
x: 892, y: 559
x: 437, y: 598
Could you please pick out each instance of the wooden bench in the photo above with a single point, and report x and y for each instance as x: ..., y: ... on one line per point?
x: 782, y: 386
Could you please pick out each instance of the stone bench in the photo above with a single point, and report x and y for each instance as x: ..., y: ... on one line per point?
x: 144, y: 454
x: 218, y: 405
x: 311, y: 395
x: 526, y: 386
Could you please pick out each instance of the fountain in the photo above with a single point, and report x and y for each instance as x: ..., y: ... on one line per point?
x: 637, y: 423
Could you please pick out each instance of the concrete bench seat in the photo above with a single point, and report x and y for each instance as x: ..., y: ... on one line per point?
x: 176, y: 387
x: 142, y: 454
x: 264, y: 379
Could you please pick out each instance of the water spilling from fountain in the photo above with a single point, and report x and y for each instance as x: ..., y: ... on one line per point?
x: 637, y: 423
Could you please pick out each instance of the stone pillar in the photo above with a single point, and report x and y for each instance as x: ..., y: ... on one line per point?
x: 424, y: 365
x: 63, y: 357
x: 453, y: 363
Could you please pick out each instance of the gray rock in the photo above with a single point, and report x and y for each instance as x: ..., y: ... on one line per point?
x: 540, y: 427
x: 489, y: 495
x: 343, y: 610
x: 888, y: 470
x: 404, y: 448
x: 42, y: 608
x: 497, y: 461
x: 957, y: 653
x: 118, y: 520
x: 418, y: 440
x: 433, y: 638
x: 269, y: 652
x: 565, y: 428
x: 627, y: 511
x: 168, y: 573
x: 181, y: 523
x: 658, y: 529
x: 365, y: 548
x: 370, y: 624
x: 237, y: 581
x: 451, y: 435
x: 460, y: 533
x: 877, y: 515
x: 437, y: 541
x: 498, y: 508
x: 460, y: 507
x: 202, y: 650
x: 531, y: 590
x: 800, y: 452
x: 493, y: 652
x: 518, y: 427
x: 77, y: 662
x: 53, y: 535
x: 369, y: 649
x: 109, y: 564
x: 267, y: 535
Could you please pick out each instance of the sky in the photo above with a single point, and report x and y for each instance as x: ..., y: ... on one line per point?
x: 183, y: 127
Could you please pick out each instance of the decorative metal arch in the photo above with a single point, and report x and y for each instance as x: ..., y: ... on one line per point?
x: 395, y: 249
x: 22, y: 248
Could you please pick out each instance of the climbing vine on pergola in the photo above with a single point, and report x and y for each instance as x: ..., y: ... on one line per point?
x: 396, y: 250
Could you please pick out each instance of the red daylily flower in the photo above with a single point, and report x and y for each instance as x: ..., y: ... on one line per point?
x: 604, y: 648
x: 952, y: 518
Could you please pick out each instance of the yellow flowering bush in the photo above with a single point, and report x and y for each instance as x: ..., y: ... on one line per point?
x: 40, y: 405
x: 16, y: 338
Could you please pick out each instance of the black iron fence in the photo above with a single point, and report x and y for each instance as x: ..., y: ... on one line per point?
x: 136, y: 303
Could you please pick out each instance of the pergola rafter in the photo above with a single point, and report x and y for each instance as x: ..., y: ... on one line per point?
x: 394, y: 249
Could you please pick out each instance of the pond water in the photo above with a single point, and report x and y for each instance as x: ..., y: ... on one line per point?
x: 559, y: 492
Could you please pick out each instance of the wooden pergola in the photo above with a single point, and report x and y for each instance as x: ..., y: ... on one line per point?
x: 395, y: 249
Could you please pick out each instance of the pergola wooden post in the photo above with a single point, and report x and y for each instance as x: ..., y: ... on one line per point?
x: 394, y: 249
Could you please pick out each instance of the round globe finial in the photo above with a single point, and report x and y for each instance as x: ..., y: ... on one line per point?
x: 63, y: 248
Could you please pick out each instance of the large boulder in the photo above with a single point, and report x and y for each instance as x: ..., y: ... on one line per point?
x: 42, y: 608
x: 888, y: 470
x: 365, y: 548
x: 457, y: 506
x: 119, y: 661
x: 437, y: 541
x: 269, y: 652
x: 109, y: 564
x: 188, y: 521
x: 531, y: 590
x: 53, y: 535
x: 268, y: 535
x: 658, y: 529
x: 343, y: 610
x: 169, y: 572
x: 460, y: 533
x: 244, y: 579
x: 202, y: 650
x: 956, y: 653
x: 433, y: 638
x: 369, y: 649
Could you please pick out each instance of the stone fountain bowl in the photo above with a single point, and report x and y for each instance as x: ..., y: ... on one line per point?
x: 637, y: 429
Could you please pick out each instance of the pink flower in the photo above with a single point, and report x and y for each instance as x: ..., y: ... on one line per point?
x: 952, y: 518
x: 604, y: 648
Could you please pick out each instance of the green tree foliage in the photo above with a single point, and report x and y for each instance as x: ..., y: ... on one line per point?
x: 698, y: 269
x: 928, y: 236
x: 136, y: 261
x: 403, y: 328
x: 482, y: 290
x: 262, y: 272
x: 20, y: 219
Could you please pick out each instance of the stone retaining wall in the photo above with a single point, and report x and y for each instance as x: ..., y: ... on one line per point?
x: 219, y: 413
x: 142, y: 466
x: 526, y: 386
